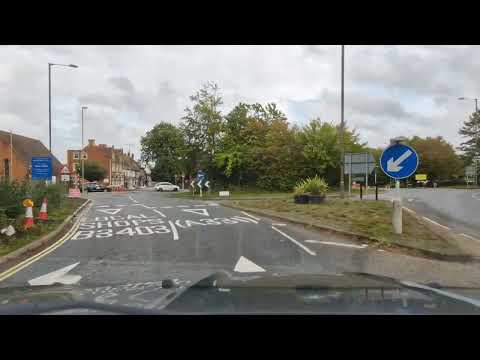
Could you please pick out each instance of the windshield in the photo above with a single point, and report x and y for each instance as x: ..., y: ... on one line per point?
x: 290, y: 165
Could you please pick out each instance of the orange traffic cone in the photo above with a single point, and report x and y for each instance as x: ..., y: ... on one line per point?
x: 43, y: 210
x: 28, y: 218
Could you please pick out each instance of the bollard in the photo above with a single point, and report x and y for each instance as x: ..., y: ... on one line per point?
x: 376, y: 191
x: 361, y: 194
x: 397, y: 216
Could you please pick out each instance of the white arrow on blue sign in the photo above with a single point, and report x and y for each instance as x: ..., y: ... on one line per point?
x: 399, y: 161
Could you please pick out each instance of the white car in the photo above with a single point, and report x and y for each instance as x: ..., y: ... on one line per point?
x: 166, y: 186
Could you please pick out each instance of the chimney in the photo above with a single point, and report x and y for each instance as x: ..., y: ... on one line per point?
x: 91, y: 142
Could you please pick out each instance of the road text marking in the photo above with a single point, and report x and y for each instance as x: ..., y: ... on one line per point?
x: 174, y: 230
x: 203, y: 212
x: 246, y: 266
x: 434, y: 222
x: 159, y: 213
x: 295, y: 242
x: 58, y: 276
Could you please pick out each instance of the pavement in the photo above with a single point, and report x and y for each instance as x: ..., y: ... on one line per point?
x: 457, y: 210
x: 144, y: 236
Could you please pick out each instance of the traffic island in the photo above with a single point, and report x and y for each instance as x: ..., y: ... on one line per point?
x: 26, y: 243
x: 366, y: 221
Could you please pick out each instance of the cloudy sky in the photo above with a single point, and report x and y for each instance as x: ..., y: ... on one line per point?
x: 389, y: 90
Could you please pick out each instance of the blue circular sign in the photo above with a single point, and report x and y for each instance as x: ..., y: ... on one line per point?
x: 399, y: 161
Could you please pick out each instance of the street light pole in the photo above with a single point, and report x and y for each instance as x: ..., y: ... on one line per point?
x: 81, y: 154
x: 50, y: 101
x: 342, y: 125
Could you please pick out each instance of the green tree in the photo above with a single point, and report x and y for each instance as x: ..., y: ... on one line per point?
x: 164, y: 146
x: 93, y: 171
x: 437, y: 158
x: 471, y: 131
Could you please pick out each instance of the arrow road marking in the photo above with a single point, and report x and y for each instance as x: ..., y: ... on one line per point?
x: 57, y: 276
x: 253, y: 217
x: 110, y: 211
x: 295, y: 242
x: 203, y: 212
x: 246, y: 266
x: 393, y: 166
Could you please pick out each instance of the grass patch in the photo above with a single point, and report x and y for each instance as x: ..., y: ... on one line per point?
x: 55, y: 216
x: 368, y: 218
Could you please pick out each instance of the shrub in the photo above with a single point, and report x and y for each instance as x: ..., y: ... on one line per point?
x: 313, y: 186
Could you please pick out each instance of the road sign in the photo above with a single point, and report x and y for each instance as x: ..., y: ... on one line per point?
x: 359, y: 163
x: 65, y: 177
x: 399, y: 161
x: 74, y: 193
x: 420, y: 177
x: 42, y: 168
x: 65, y: 170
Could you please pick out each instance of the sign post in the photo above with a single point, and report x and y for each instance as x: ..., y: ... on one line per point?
x: 398, y: 161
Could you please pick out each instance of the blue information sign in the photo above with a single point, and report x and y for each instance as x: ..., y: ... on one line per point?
x: 42, y: 168
x: 399, y: 161
x: 200, y: 176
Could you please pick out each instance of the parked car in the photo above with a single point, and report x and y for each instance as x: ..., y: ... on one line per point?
x: 166, y: 186
x: 94, y: 187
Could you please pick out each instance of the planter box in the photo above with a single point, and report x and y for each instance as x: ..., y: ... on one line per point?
x: 300, y: 199
x: 316, y: 199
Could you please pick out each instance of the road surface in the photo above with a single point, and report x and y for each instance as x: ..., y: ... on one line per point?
x: 146, y: 236
x: 454, y: 208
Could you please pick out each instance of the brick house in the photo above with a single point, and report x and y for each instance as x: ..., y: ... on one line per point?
x: 24, y: 148
x: 120, y: 168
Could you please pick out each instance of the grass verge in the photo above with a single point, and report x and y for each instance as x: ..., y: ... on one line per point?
x: 55, y: 218
x: 371, y: 219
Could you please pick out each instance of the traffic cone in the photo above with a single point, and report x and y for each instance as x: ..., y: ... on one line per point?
x: 43, y: 210
x: 28, y: 218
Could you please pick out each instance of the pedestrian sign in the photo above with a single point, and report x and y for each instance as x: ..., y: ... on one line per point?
x: 399, y: 161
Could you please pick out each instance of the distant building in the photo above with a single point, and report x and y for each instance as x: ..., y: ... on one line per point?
x: 120, y: 168
x: 24, y: 148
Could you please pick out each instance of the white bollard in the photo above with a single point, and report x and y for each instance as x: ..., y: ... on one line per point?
x: 397, y: 216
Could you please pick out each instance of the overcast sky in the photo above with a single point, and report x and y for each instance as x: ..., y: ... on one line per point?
x: 389, y: 90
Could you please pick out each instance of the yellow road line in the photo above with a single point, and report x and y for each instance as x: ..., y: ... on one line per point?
x: 13, y: 270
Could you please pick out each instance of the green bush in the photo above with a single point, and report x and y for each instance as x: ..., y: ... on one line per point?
x: 313, y: 186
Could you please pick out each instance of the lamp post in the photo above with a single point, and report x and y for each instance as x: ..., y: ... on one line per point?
x: 342, y: 126
x: 50, y: 100
x: 476, y: 101
x: 81, y: 155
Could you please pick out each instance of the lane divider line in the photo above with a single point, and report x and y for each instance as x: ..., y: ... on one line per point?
x: 13, y: 270
x: 174, y: 230
x: 182, y: 206
x: 165, y: 207
x: 434, y: 222
x: 253, y: 217
x: 279, y: 224
x: 337, y: 244
x: 159, y: 212
x: 313, y: 253
x: 469, y: 237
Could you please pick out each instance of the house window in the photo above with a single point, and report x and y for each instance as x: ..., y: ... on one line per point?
x: 76, y: 155
x: 84, y: 156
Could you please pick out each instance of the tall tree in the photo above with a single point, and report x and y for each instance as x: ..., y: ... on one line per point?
x: 164, y: 147
x: 93, y: 171
x: 471, y: 131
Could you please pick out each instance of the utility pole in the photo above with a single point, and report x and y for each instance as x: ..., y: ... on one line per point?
x: 11, y: 154
x: 342, y: 126
x: 82, y: 156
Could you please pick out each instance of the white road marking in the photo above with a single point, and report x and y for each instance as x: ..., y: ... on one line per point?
x: 159, y: 213
x: 381, y: 250
x: 279, y: 224
x: 409, y: 210
x: 246, y: 266
x: 110, y: 211
x: 434, y: 222
x: 295, y: 242
x: 182, y: 206
x: 200, y: 205
x: 469, y: 237
x: 165, y: 207
x: 337, y: 244
x: 253, y: 217
x: 57, y: 276
x: 131, y: 198
x: 174, y: 230
x: 203, y: 212
x: 102, y: 206
x: 214, y: 204
x: 121, y: 205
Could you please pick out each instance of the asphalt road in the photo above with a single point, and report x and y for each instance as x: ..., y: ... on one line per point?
x: 455, y: 208
x: 142, y: 236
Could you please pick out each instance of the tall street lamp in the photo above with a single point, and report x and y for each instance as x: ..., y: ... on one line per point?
x: 81, y: 154
x: 476, y: 101
x: 342, y: 127
x: 50, y: 100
